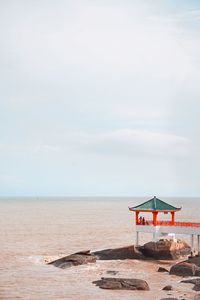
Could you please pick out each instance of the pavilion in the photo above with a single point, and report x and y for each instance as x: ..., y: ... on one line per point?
x: 170, y: 227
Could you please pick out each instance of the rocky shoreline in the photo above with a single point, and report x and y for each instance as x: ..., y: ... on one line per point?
x: 160, y: 251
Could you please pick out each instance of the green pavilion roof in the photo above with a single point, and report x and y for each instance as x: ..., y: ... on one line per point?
x: 154, y: 204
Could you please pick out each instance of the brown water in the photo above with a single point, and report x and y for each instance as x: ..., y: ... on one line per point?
x: 37, y: 230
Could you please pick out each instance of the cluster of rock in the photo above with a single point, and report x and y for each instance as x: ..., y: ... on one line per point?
x: 161, y: 250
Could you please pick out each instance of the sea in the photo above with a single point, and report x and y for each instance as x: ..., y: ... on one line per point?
x: 37, y: 230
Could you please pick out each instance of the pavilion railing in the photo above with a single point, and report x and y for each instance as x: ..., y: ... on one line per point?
x: 169, y: 223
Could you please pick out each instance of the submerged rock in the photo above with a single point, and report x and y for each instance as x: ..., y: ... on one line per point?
x: 193, y: 281
x: 170, y: 298
x: 167, y: 288
x: 112, y: 272
x: 128, y: 252
x: 166, y: 249
x: 79, y: 258
x: 162, y: 270
x: 122, y: 284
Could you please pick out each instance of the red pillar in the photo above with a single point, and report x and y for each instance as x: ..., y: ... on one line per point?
x: 173, y: 217
x: 136, y: 217
x: 155, y: 213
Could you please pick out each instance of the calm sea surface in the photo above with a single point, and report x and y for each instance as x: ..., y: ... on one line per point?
x: 34, y: 231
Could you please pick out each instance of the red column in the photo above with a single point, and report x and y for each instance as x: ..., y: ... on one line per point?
x: 155, y: 213
x: 173, y: 217
x: 136, y: 217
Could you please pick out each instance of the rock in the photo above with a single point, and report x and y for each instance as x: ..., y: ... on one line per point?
x: 196, y: 297
x: 122, y: 284
x: 193, y: 281
x: 195, y: 260
x: 196, y: 287
x: 166, y: 249
x: 183, y: 269
x: 162, y: 270
x: 167, y: 288
x: 75, y: 259
x: 169, y: 298
x: 189, y: 267
x: 112, y: 272
x: 128, y: 252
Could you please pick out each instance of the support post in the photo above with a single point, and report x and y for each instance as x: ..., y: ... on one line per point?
x: 155, y: 213
x: 198, y: 244
x: 154, y: 236
x: 192, y: 241
x: 137, y: 238
x: 136, y: 217
x: 173, y: 217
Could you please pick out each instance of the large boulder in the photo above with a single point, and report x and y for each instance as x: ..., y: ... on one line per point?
x: 183, y: 269
x: 195, y: 260
x: 128, y: 252
x: 122, y: 284
x: 189, y: 267
x: 75, y: 259
x: 166, y: 249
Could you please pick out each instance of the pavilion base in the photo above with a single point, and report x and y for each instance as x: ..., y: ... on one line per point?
x: 159, y: 232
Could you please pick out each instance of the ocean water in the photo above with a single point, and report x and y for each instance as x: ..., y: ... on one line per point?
x: 37, y: 230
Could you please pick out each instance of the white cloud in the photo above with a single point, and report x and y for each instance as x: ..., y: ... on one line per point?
x: 117, y: 142
x: 135, y: 142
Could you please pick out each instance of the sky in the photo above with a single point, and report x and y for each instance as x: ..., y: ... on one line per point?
x: 99, y: 98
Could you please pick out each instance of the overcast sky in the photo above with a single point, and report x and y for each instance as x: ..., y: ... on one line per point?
x: 100, y: 97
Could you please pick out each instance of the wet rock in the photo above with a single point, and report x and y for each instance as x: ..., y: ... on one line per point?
x: 195, y: 260
x: 193, y: 281
x: 189, y: 267
x: 197, y: 287
x: 167, y: 288
x: 183, y: 269
x: 162, y: 270
x: 169, y: 298
x: 128, y: 252
x: 122, y: 284
x: 166, y: 249
x: 79, y: 258
x: 112, y: 272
